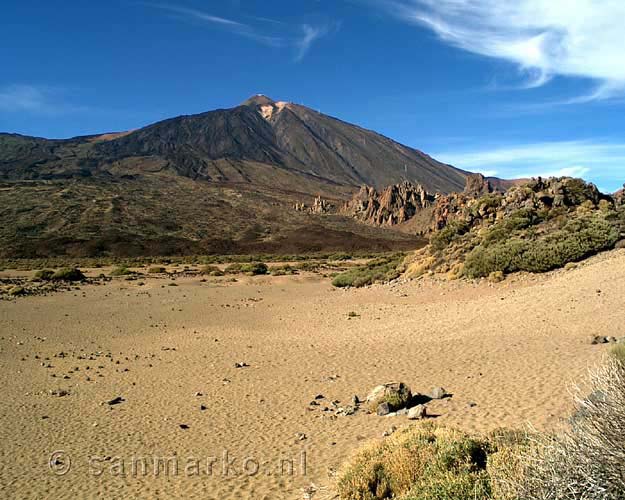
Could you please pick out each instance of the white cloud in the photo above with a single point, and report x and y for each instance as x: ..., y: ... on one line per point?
x: 273, y: 33
x: 309, y: 35
x: 601, y: 162
x: 545, y: 38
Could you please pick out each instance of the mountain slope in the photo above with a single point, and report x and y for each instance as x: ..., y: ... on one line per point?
x: 289, y: 136
x: 224, y: 180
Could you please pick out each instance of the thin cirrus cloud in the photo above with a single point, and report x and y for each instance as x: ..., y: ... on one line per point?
x: 545, y: 38
x: 273, y: 33
x: 598, y: 161
x: 35, y: 99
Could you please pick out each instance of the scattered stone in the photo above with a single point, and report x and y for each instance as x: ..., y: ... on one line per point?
x: 241, y: 365
x: 389, y: 431
x: 301, y: 436
x: 320, y: 396
x: 418, y: 412
x: 471, y: 404
x: 355, y: 400
x: 115, y: 401
x: 203, y: 408
x: 438, y: 393
x: 383, y: 409
x: 183, y: 426
x: 599, y: 339
x: 59, y: 392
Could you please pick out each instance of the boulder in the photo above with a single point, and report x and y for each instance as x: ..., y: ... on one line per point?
x: 395, y: 394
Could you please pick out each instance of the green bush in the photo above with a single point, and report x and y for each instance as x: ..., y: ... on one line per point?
x: 156, y: 270
x: 68, y: 274
x: 443, y: 238
x: 578, y: 239
x: 377, y: 271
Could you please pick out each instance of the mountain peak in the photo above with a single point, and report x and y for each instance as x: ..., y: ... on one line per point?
x: 258, y: 100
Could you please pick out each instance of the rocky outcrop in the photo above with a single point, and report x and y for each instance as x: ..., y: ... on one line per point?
x: 394, y: 205
x: 319, y: 206
x: 478, y: 185
x: 619, y: 196
x: 535, y: 195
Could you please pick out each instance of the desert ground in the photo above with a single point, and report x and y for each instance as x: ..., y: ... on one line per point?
x: 508, y: 353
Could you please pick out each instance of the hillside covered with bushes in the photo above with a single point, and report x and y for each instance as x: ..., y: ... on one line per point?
x: 538, y: 226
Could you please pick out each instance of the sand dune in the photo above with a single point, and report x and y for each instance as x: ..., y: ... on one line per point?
x: 508, y: 353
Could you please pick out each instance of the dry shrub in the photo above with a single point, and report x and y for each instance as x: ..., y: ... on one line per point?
x: 420, y: 266
x: 618, y: 353
x: 421, y: 462
x: 588, y: 461
x: 456, y: 271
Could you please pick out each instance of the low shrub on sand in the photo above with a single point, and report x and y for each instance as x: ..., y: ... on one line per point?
x: 282, y: 270
x: 376, y: 271
x: 68, y: 274
x: 251, y: 269
x: 210, y: 270
x: 43, y: 275
x: 156, y: 270
x: 121, y: 271
x: 422, y: 462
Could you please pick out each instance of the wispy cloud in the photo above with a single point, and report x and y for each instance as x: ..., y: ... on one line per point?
x: 22, y: 98
x: 601, y: 162
x: 309, y: 35
x: 274, y: 33
x: 35, y: 99
x: 545, y: 38
x: 197, y: 14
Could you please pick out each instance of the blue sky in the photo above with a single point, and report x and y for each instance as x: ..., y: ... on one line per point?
x: 512, y: 89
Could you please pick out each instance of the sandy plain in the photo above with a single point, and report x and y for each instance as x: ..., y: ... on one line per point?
x: 193, y: 425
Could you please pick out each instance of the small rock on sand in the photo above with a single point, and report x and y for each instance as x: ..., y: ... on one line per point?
x: 417, y: 412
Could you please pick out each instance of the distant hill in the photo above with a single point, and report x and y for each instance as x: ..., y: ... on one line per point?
x: 221, y: 181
